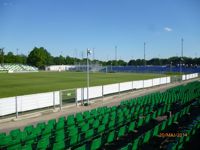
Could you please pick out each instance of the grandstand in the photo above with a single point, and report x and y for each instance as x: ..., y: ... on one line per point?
x: 12, y: 68
x: 151, y: 69
x: 161, y: 120
x: 134, y: 69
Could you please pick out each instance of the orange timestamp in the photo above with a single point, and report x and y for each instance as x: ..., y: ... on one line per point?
x: 171, y: 134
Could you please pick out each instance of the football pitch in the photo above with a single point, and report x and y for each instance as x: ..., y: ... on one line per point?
x: 28, y: 83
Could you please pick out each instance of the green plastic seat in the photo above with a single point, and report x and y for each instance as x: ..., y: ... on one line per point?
x: 2, y: 135
x: 86, y: 114
x: 91, y: 121
x: 159, y: 112
x: 15, y: 133
x: 105, y: 120
x: 96, y: 144
x: 169, y: 121
x: 59, y: 146
x: 28, y: 129
x: 156, y: 130
x: 41, y: 125
x: 15, y: 147
x: 122, y: 131
x: 60, y: 137
x: 101, y: 129
x: 135, y: 144
x: 154, y: 115
x: 120, y: 120
x: 51, y: 123
x: 111, y: 124
x: 111, y: 137
x: 147, y: 136
x: 73, y: 131
x: 6, y: 141
x: 163, y: 125
x: 140, y: 122
x: 43, y: 144
x: 73, y: 140
x: 95, y: 124
x: 89, y: 133
x: 147, y: 119
x: 60, y: 125
x: 79, y: 117
x: 131, y: 127
x: 70, y: 120
x: 85, y: 127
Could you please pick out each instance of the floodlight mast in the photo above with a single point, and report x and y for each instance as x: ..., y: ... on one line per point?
x: 116, y: 55
x: 88, y: 75
x: 181, y: 61
x: 144, y: 53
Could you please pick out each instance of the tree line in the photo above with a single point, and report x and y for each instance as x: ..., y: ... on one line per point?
x: 40, y: 57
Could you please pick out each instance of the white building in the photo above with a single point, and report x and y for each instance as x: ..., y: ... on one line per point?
x: 59, y: 67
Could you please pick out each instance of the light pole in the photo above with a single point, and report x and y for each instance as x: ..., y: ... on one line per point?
x: 144, y: 54
x: 88, y: 77
x: 171, y: 67
x: 181, y: 61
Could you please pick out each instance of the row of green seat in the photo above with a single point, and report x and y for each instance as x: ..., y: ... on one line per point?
x: 185, y: 138
x: 145, y: 138
x: 90, y: 124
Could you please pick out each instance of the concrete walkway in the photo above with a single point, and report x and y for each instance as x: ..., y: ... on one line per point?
x: 11, y: 123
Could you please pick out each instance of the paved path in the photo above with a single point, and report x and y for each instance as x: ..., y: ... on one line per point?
x: 8, y: 124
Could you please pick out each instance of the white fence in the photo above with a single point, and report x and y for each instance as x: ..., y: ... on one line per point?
x: 125, y: 86
x: 100, y: 91
x: 17, y: 104
x: 189, y: 76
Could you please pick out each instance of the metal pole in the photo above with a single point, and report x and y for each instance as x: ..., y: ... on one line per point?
x: 116, y: 54
x: 60, y: 93
x: 102, y: 93
x: 171, y: 66
x: 181, y: 55
x: 16, y: 107
x: 144, y: 53
x: 119, y: 89
x: 76, y: 98
x: 53, y: 100
x: 88, y: 84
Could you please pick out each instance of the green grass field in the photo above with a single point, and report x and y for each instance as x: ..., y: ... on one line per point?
x: 29, y: 83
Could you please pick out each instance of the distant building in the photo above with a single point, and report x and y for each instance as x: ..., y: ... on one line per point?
x: 59, y: 68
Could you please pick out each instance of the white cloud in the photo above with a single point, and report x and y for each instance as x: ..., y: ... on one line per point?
x: 168, y: 29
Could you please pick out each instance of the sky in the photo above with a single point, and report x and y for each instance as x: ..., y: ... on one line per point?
x: 69, y: 27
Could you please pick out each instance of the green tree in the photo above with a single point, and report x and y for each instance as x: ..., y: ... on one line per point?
x: 10, y: 58
x: 39, y: 57
x: 59, y: 60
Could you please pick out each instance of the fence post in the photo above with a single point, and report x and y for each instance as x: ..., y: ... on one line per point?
x: 119, y: 89
x: 53, y: 99
x: 16, y: 107
x: 60, y: 98
x: 143, y: 84
x: 76, y: 101
x: 82, y: 96
x: 132, y: 86
x: 159, y: 81
x: 102, y: 94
